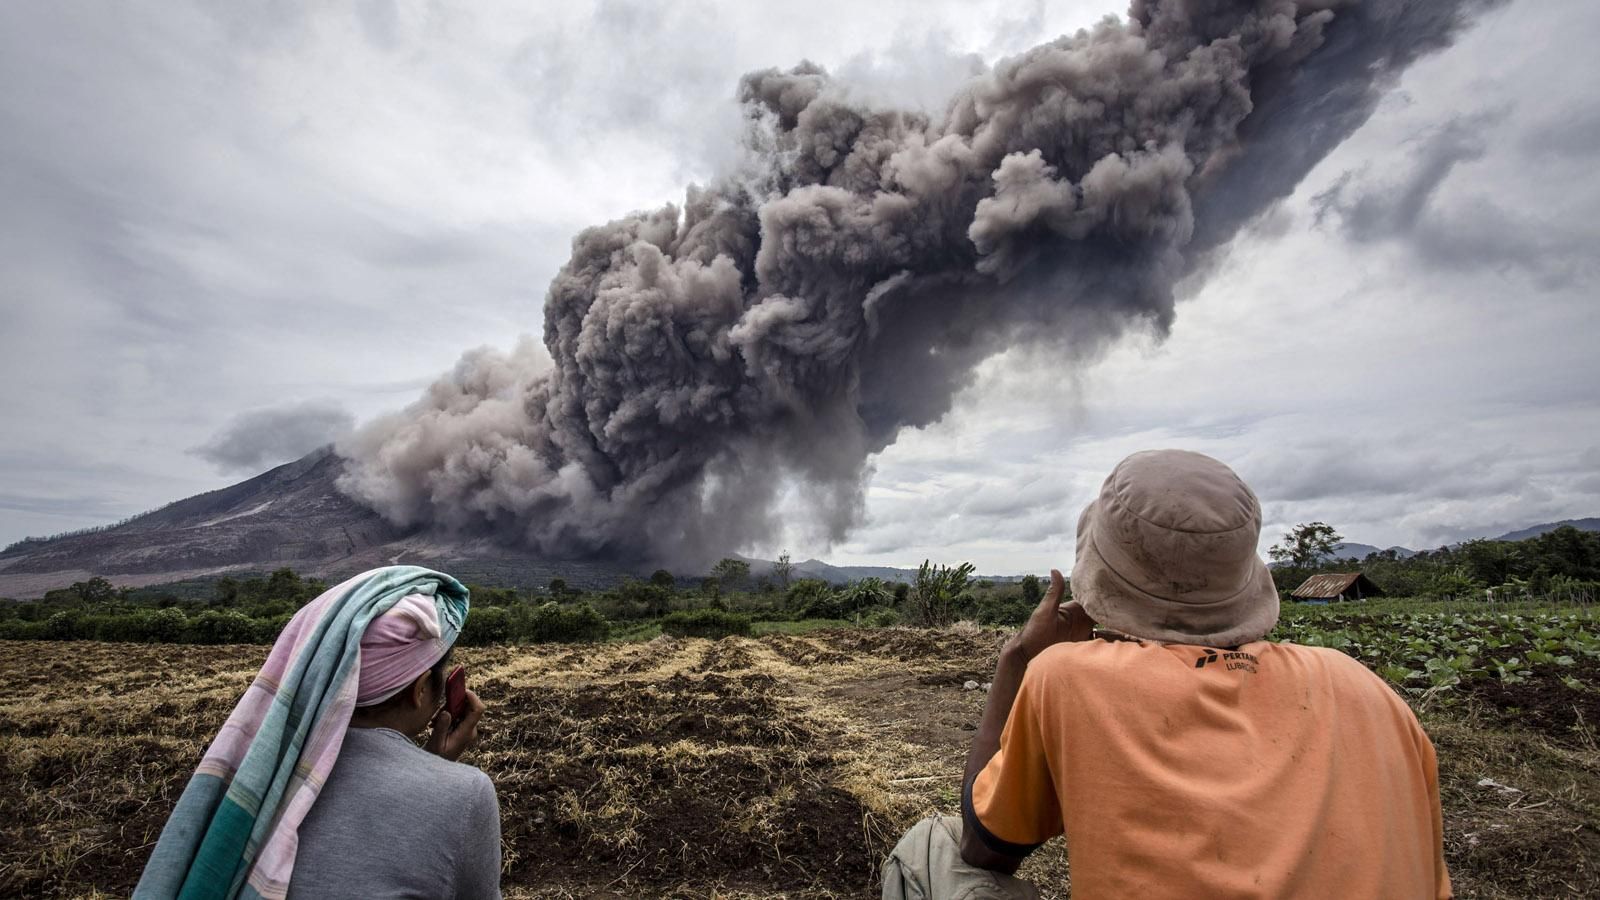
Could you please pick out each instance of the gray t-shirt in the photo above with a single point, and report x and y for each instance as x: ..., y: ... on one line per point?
x: 395, y: 821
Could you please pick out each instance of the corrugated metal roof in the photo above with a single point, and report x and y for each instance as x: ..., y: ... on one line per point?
x: 1330, y: 585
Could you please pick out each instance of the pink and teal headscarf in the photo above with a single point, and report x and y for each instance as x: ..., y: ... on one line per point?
x: 235, y: 830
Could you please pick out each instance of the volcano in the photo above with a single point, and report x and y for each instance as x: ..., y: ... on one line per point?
x: 291, y: 516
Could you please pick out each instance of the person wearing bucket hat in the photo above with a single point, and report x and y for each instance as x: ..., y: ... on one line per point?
x: 1180, y: 752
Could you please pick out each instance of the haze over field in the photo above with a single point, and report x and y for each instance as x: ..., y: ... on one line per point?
x: 313, y: 215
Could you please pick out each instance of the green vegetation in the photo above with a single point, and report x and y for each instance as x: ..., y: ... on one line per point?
x: 250, y: 610
x: 706, y: 623
x: 937, y: 593
x: 1305, y: 544
x: 255, y: 609
x: 1562, y: 565
x: 798, y: 626
x: 232, y: 611
x: 1420, y: 646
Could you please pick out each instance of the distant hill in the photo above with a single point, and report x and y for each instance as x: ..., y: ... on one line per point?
x: 292, y: 515
x: 1355, y: 551
x: 1536, y: 530
x: 816, y: 568
x: 1348, y: 550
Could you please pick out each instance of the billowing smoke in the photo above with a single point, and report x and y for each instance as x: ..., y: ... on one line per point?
x: 789, y: 320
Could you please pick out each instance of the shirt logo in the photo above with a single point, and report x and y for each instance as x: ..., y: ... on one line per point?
x: 1233, y: 660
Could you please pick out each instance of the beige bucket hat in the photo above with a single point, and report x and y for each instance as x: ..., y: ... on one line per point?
x: 1167, y: 552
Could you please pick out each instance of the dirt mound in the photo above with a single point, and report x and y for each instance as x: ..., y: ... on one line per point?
x: 726, y: 655
x: 646, y: 656
x: 976, y: 650
x: 802, y: 652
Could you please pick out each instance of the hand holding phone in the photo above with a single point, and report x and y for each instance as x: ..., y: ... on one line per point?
x: 455, y: 693
x: 462, y: 709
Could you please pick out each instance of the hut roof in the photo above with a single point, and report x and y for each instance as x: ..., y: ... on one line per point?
x: 1334, y: 584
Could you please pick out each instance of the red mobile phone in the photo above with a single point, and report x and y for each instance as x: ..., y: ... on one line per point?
x: 455, y: 693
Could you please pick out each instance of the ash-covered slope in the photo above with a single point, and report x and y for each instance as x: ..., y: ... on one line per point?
x: 288, y: 516
x: 293, y: 515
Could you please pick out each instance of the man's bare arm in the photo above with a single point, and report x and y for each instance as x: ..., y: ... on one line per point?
x: 1002, y: 694
x: 1052, y: 622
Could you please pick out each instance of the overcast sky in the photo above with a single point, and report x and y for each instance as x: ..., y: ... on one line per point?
x: 231, y: 231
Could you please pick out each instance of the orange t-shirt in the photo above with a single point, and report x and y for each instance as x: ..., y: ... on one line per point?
x: 1178, y: 771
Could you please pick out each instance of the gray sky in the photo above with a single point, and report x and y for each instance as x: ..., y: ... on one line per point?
x: 229, y: 235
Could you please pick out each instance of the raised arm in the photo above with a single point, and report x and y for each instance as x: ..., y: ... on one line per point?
x: 1052, y: 622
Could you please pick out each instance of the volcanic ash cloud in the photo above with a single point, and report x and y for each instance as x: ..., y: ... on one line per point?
x: 788, y: 320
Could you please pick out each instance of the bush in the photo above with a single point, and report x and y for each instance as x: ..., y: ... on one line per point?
x: 1003, y: 610
x: 216, y: 626
x: 939, y: 591
x: 881, y: 618
x: 708, y: 623
x: 268, y: 629
x: 126, y: 628
x: 166, y: 626
x: 17, y: 630
x: 486, y: 625
x: 67, y: 625
x: 271, y: 609
x: 146, y: 626
x: 809, y: 593
x: 551, y: 622
x: 825, y: 606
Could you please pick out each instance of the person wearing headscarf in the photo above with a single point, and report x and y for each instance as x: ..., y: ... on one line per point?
x: 315, y: 786
x: 1180, y: 752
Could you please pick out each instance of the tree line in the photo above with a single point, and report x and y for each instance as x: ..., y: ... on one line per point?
x: 726, y: 601
x: 1562, y: 565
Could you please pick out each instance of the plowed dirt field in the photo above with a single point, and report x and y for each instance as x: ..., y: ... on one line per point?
x: 781, y: 766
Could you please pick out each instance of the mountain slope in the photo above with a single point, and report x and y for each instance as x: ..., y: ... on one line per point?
x: 292, y: 515
x: 1348, y: 550
x: 1536, y: 530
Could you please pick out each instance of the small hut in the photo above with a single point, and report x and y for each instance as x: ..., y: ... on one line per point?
x: 1336, y: 586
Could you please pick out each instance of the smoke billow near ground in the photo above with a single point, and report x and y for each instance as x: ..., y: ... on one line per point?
x: 788, y: 320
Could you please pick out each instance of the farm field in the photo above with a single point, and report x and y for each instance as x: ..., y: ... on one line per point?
x: 783, y: 765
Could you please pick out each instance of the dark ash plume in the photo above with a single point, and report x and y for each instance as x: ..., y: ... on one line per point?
x: 789, y: 320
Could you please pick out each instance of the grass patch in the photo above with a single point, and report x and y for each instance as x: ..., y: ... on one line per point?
x: 801, y: 627
x: 1522, y: 812
x: 638, y: 631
